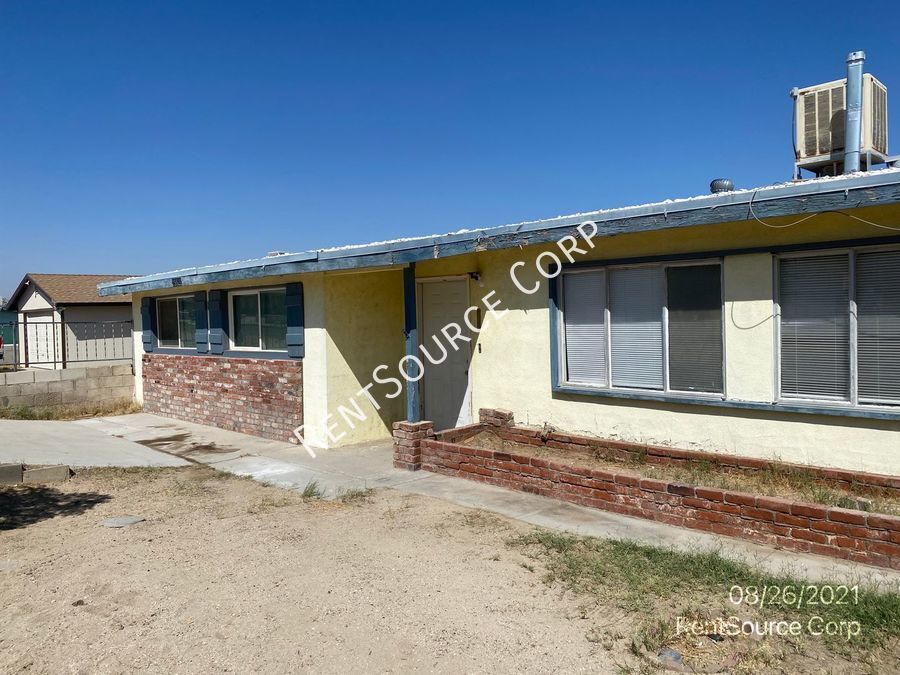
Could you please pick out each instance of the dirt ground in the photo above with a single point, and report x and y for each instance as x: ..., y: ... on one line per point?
x: 228, y: 575
x: 232, y: 576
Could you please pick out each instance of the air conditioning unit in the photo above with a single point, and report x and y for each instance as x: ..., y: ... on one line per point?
x: 819, y: 119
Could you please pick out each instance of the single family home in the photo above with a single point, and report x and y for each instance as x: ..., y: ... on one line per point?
x: 759, y: 322
x: 61, y: 321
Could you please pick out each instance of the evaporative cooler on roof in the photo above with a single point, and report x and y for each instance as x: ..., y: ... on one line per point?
x: 819, y: 125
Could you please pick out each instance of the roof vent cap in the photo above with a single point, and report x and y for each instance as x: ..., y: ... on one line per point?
x: 721, y: 185
x: 275, y: 254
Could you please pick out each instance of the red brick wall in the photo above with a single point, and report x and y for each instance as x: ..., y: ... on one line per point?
x: 855, y: 535
x: 261, y: 397
x: 501, y: 423
x: 407, y: 441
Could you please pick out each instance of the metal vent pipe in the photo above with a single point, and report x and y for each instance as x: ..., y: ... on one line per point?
x: 853, y: 119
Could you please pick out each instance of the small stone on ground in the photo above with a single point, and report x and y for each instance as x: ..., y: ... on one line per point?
x: 122, y: 521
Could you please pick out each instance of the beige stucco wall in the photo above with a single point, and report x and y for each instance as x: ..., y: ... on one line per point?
x: 138, y: 347
x: 364, y: 319
x: 512, y: 367
x: 749, y: 327
x: 315, y: 361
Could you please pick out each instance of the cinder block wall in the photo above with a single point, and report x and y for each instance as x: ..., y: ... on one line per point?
x: 72, y: 386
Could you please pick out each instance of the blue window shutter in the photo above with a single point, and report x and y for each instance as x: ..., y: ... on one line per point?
x: 202, y: 329
x: 148, y: 324
x: 218, y: 320
x: 294, y: 308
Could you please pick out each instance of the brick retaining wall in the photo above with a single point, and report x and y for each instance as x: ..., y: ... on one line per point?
x: 261, y: 397
x: 859, y: 536
x: 502, y: 424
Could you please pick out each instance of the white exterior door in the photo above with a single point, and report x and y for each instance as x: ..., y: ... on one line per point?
x: 42, y: 335
x: 445, y: 387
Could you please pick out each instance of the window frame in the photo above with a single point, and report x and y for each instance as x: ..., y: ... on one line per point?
x: 852, y: 402
x: 192, y: 341
x: 561, y: 381
x: 232, y: 347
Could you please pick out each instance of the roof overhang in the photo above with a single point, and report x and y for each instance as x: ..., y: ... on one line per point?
x: 25, y: 283
x: 876, y: 188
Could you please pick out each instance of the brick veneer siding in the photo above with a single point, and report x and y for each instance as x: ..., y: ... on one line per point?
x: 869, y: 538
x: 261, y: 397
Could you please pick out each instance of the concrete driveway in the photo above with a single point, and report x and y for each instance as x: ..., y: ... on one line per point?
x: 74, y: 443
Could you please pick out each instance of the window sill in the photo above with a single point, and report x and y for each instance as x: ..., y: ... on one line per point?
x: 256, y: 354
x: 229, y: 354
x: 809, y: 408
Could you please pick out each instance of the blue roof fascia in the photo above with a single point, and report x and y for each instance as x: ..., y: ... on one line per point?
x: 802, y: 197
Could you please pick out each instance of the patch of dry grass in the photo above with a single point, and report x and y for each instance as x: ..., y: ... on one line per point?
x: 357, y: 496
x: 71, y: 412
x: 658, y: 585
x: 268, y: 504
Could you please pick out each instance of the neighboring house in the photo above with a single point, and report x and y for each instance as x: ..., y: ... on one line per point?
x: 762, y: 323
x: 62, y: 321
x: 7, y: 334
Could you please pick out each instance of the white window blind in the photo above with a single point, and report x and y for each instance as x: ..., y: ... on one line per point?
x: 878, y: 325
x: 815, y: 326
x: 584, y: 321
x: 635, y: 302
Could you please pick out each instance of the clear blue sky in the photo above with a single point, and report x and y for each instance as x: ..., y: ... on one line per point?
x: 138, y: 137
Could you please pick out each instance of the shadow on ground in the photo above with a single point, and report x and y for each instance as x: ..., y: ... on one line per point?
x: 24, y: 505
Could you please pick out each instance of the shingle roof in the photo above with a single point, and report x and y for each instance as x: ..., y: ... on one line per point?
x: 71, y: 289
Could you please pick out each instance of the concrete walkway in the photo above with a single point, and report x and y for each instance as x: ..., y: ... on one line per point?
x: 370, y: 466
x: 73, y: 443
x: 273, y: 462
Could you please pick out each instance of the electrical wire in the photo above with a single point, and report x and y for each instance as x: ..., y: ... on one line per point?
x: 813, y: 215
x: 776, y: 227
x: 867, y: 222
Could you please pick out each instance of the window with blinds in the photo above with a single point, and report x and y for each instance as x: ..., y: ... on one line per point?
x: 650, y: 327
x: 815, y: 326
x: 694, y: 301
x: 636, y: 316
x: 878, y: 326
x: 584, y: 321
x: 830, y: 303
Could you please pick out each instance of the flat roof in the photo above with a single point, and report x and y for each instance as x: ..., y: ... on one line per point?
x: 833, y: 193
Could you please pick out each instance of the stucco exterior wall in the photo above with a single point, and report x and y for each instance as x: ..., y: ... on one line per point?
x: 749, y: 327
x: 315, y: 361
x: 511, y: 366
x: 364, y: 320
